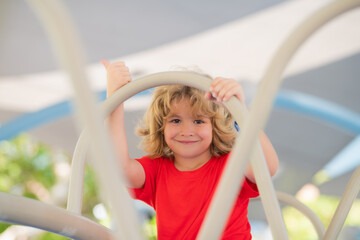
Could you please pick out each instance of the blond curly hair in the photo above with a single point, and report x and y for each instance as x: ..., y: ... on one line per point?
x: 151, y: 128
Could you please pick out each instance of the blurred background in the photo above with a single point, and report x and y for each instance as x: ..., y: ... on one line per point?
x: 314, y: 125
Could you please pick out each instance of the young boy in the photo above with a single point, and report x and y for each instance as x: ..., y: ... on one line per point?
x: 188, y: 138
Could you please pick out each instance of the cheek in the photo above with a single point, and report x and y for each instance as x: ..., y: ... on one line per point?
x: 167, y: 133
x: 210, y: 136
x: 207, y: 133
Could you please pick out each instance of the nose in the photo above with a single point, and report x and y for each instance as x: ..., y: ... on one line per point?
x: 187, y: 130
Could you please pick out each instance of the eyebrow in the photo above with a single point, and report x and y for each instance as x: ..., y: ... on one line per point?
x: 173, y: 115
x: 201, y: 116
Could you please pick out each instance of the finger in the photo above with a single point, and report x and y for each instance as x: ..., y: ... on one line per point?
x: 221, y: 84
x: 227, y: 91
x: 216, y: 82
x: 105, y: 62
x: 225, y: 88
x: 233, y: 92
x: 209, y: 96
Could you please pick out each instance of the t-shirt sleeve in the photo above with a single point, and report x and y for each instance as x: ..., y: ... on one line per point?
x: 147, y: 192
x: 249, y: 189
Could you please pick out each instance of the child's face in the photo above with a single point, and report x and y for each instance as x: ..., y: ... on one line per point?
x: 187, y: 136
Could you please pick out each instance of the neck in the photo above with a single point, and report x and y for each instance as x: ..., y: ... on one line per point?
x: 190, y: 164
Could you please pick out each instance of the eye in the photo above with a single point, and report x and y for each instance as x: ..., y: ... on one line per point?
x: 198, y: 121
x: 175, y: 120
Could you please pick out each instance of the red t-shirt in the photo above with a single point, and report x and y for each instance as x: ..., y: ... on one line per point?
x: 181, y: 199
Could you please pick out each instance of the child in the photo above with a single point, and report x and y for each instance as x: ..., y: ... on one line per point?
x: 188, y: 137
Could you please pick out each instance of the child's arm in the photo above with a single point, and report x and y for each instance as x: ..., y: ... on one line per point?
x: 222, y: 89
x: 118, y: 75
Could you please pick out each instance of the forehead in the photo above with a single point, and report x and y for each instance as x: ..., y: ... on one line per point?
x: 184, y: 107
x: 180, y: 105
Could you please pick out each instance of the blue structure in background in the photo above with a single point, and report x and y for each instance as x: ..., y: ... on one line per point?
x: 318, y: 108
x: 308, y: 105
x: 349, y: 157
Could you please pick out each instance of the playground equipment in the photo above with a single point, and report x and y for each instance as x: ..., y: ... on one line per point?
x: 68, y: 50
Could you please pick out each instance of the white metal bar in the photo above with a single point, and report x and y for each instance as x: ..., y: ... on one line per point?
x: 65, y: 41
x: 186, y: 78
x: 134, y: 87
x: 342, y: 211
x: 290, y: 200
x: 268, y: 195
x: 33, y: 213
x: 260, y: 110
x: 77, y: 174
x: 293, y: 202
x: 263, y: 101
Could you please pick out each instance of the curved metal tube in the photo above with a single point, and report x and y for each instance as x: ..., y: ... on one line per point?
x: 292, y: 201
x: 68, y: 50
x: 338, y: 220
x: 195, y: 80
x: 244, y: 146
x: 269, y: 85
x: 134, y: 87
x: 33, y: 213
x: 77, y: 175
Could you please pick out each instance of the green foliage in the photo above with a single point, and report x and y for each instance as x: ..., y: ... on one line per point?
x: 299, y: 227
x: 150, y: 229
x: 22, y: 161
x: 52, y: 236
x: 90, y: 194
x: 4, y: 226
x: 32, y: 169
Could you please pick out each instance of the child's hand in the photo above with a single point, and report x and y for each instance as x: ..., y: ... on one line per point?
x: 118, y: 75
x: 222, y: 89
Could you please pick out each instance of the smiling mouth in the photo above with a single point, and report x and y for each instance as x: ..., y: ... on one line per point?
x: 187, y: 142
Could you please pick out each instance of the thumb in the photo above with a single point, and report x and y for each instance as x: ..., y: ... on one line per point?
x: 105, y: 62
